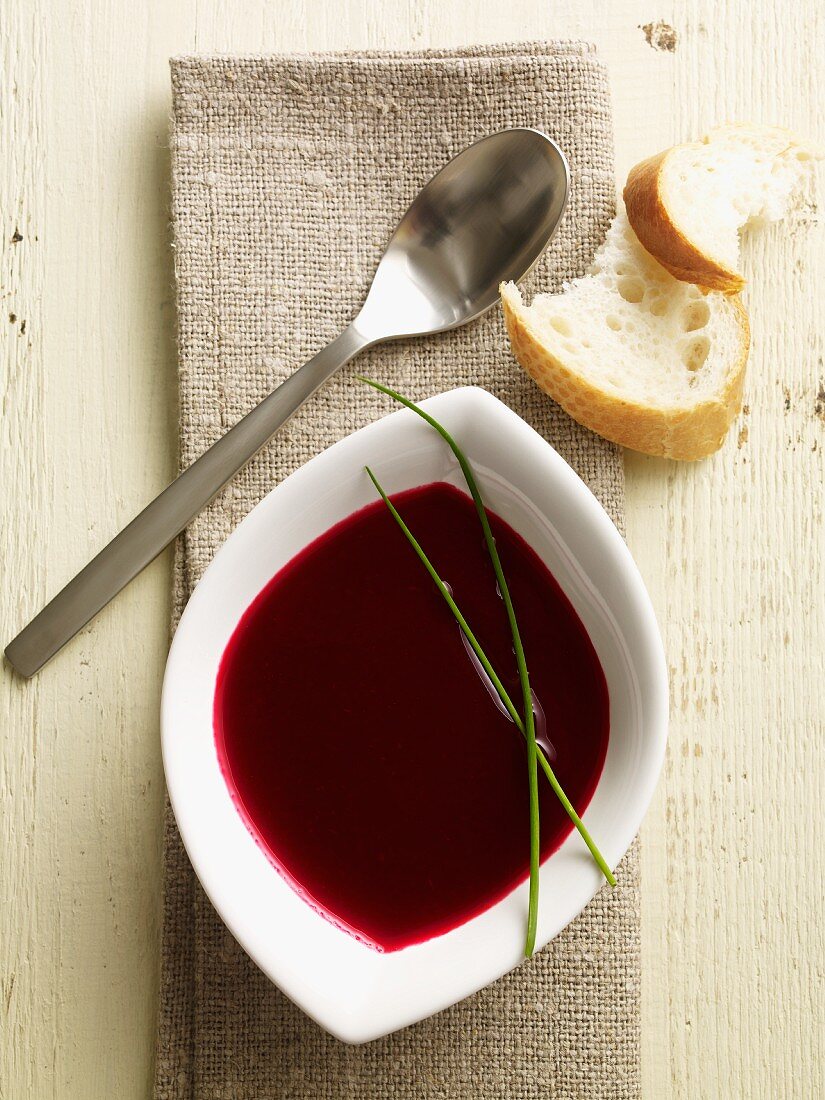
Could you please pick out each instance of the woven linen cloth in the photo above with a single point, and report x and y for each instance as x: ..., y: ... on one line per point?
x: 290, y: 173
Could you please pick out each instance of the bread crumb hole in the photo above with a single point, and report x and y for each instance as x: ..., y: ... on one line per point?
x: 561, y: 326
x: 697, y: 316
x: 658, y: 308
x: 631, y: 289
x: 695, y: 353
x: 613, y: 322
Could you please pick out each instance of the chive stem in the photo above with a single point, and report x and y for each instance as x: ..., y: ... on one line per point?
x: 521, y: 661
x: 527, y: 730
x: 535, y: 837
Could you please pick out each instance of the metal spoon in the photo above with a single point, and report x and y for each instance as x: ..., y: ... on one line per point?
x: 486, y: 217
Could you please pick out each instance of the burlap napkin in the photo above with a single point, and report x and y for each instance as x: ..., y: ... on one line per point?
x: 289, y: 174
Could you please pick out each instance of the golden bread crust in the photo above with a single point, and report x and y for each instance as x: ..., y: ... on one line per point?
x: 651, y: 222
x: 680, y: 433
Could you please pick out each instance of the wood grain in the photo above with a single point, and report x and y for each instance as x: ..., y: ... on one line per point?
x: 734, y: 556
x: 731, y: 548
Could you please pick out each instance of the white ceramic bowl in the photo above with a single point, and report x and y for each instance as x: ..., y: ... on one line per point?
x: 352, y: 990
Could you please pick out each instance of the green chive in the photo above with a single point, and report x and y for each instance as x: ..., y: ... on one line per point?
x: 532, y: 912
x: 482, y: 514
x: 521, y: 662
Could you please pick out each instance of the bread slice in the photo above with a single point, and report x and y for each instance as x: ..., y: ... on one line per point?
x: 633, y: 353
x: 688, y: 204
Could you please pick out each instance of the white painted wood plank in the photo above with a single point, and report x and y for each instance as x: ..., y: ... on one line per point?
x: 731, y: 548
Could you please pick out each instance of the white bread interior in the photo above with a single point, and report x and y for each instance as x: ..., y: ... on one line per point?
x: 640, y: 357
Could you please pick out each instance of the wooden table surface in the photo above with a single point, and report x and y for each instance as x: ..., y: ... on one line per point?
x: 731, y: 548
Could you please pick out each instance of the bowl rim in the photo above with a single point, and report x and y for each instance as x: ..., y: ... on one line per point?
x: 359, y: 1002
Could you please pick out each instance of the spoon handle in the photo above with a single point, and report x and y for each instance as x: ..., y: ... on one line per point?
x: 158, y: 524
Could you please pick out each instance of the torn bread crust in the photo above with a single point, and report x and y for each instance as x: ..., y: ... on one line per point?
x: 772, y: 162
x: 661, y: 236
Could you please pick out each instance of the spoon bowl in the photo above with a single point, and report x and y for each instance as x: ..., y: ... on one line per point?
x: 484, y: 219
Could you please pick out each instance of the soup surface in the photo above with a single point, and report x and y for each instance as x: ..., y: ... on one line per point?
x: 368, y: 754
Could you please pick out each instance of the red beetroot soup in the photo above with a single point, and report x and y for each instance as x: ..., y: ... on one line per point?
x: 363, y: 748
